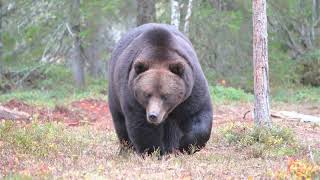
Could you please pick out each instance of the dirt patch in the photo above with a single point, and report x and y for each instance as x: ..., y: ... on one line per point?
x: 89, y: 111
x: 20, y: 106
x: 94, y: 111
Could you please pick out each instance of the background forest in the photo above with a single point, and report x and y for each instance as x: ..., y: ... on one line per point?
x: 37, y: 40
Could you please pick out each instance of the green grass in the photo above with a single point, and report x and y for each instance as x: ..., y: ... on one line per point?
x: 57, y: 88
x: 296, y: 95
x: 222, y: 94
x: 261, y: 142
x: 293, y: 95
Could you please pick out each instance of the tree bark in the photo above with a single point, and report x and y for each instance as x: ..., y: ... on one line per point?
x: 315, y: 17
x: 260, y: 62
x: 187, y: 18
x: 175, y: 13
x: 1, y: 45
x: 146, y: 11
x: 77, y: 62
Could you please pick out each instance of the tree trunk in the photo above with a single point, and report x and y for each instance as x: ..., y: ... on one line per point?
x: 146, y: 11
x: 175, y: 13
x: 315, y: 17
x: 1, y: 45
x: 260, y: 64
x: 77, y: 62
x: 187, y: 19
x: 217, y: 4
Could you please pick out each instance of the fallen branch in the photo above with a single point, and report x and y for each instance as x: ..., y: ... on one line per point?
x: 9, y: 114
x: 294, y: 116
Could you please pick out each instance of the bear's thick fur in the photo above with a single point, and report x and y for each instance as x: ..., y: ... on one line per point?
x: 158, y: 95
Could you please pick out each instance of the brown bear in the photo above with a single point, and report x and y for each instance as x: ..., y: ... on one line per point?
x: 158, y: 94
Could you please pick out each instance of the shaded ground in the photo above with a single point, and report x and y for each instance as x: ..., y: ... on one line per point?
x: 90, y: 119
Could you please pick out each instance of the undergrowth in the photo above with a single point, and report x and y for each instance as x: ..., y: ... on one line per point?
x: 41, y: 139
x: 57, y: 88
x: 261, y: 142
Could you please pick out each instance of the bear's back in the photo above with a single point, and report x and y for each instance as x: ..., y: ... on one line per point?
x: 130, y: 36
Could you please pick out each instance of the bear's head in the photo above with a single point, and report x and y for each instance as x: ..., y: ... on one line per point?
x: 161, y: 85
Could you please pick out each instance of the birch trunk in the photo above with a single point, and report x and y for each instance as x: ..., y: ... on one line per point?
x: 260, y: 64
x: 187, y: 19
x: 175, y: 13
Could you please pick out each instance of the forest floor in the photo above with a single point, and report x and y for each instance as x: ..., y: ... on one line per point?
x: 77, y: 141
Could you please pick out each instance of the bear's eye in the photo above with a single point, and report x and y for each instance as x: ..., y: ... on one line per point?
x: 164, y: 97
x: 140, y: 67
x: 177, y: 68
x: 147, y: 95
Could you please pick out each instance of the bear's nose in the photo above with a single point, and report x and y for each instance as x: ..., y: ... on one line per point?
x: 153, y: 117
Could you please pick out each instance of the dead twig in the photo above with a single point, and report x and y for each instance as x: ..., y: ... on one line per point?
x: 245, y: 114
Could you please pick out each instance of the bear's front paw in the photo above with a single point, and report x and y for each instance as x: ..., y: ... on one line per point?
x: 188, y: 144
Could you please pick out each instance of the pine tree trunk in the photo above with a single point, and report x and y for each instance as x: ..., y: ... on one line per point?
x: 175, y: 13
x: 1, y: 45
x: 260, y: 62
x: 187, y: 19
x: 77, y: 63
x: 146, y: 11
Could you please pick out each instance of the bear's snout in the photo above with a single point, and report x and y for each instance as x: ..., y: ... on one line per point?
x: 155, y: 111
x: 153, y: 117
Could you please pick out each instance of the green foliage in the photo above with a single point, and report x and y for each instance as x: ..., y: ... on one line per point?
x: 309, y: 68
x: 222, y: 43
x: 261, y: 142
x: 281, y: 66
x: 222, y: 94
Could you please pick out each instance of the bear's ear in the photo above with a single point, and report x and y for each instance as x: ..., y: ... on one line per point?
x: 177, y: 68
x: 140, y: 67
